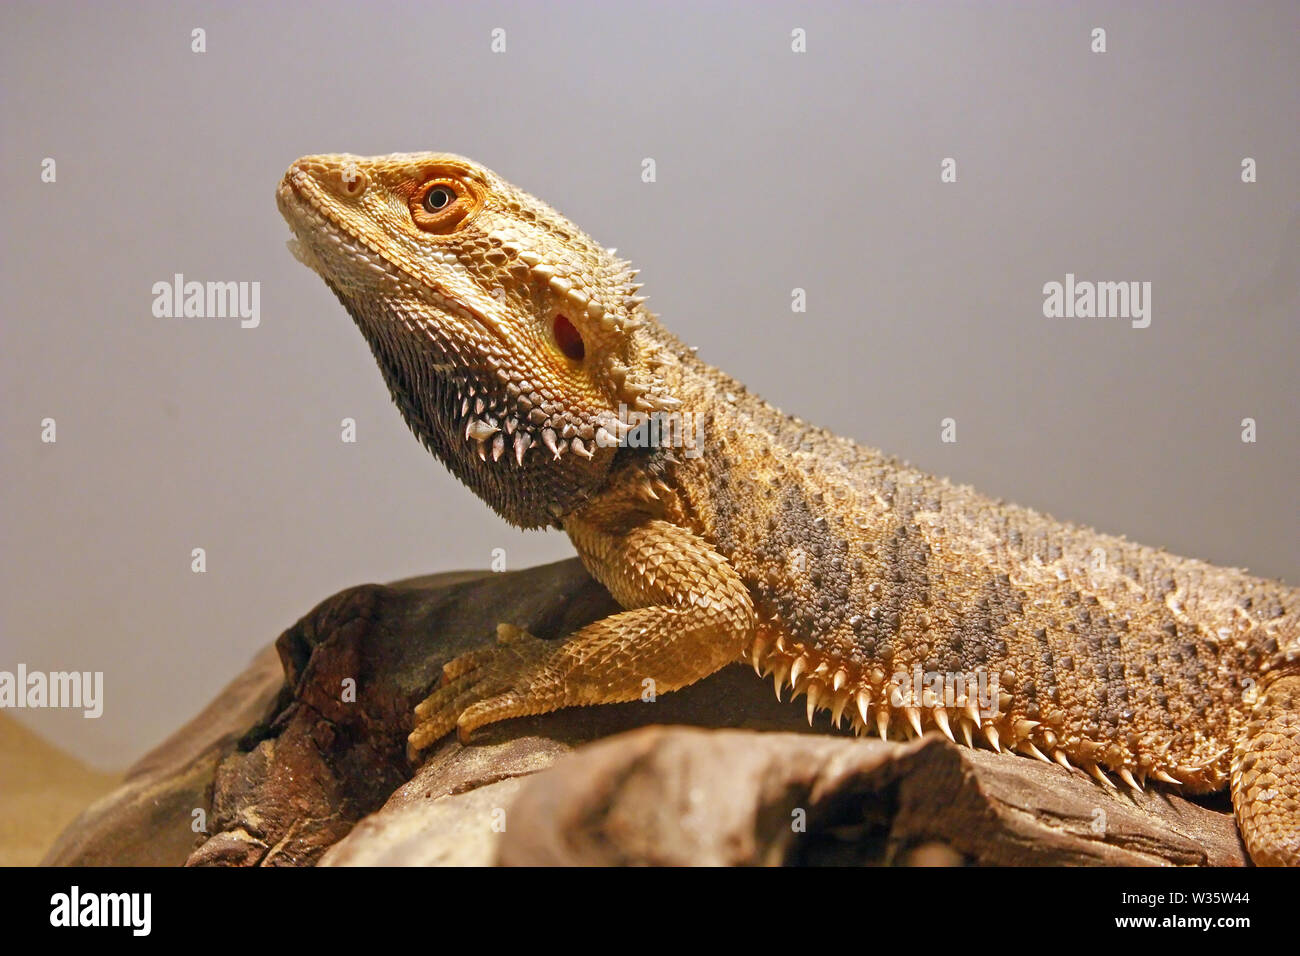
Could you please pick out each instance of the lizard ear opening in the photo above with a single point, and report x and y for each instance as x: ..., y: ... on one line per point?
x: 569, y: 339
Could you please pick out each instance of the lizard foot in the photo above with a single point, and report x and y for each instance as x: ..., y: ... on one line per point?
x: 479, y: 687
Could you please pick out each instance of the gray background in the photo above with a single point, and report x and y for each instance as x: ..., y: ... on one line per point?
x: 776, y: 170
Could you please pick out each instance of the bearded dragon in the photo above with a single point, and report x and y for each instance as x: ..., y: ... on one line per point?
x: 520, y: 352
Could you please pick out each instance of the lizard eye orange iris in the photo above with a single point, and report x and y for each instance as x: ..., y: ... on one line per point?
x: 442, y: 205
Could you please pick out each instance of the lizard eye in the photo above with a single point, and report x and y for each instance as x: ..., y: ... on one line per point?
x: 442, y: 204
x: 437, y: 197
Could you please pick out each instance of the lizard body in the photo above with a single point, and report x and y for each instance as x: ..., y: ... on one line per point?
x: 520, y: 353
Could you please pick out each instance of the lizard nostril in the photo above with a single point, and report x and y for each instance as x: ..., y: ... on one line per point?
x: 352, y: 182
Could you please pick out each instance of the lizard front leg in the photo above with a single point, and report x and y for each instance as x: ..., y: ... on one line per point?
x: 688, y: 615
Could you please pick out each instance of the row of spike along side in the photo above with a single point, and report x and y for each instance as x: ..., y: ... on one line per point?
x: 863, y: 697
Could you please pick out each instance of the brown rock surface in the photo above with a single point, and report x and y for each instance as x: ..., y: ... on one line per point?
x: 148, y: 820
x: 313, y: 769
x: 676, y: 796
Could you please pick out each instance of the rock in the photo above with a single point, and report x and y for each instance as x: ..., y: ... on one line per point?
x: 672, y: 796
x: 311, y: 767
x: 456, y: 829
x: 667, y: 796
x: 148, y: 820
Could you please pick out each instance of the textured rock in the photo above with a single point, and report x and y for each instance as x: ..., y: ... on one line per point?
x: 672, y: 796
x: 148, y: 820
x: 456, y: 829
x: 302, y: 760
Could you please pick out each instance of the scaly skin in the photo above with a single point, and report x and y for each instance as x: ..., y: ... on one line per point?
x: 509, y: 341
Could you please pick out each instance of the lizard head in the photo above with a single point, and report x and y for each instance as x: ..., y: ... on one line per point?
x: 507, y: 337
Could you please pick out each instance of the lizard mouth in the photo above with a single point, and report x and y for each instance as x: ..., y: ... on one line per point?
x: 310, y: 220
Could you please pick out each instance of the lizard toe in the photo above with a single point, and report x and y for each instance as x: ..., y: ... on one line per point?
x: 476, y: 688
x: 490, y: 710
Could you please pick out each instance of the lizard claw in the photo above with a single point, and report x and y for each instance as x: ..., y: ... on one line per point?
x: 477, y: 688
